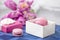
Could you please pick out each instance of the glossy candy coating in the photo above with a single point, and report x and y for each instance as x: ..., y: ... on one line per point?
x: 17, y: 32
x: 42, y: 21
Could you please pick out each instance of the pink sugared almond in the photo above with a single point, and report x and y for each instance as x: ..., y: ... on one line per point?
x: 17, y: 32
x: 42, y: 21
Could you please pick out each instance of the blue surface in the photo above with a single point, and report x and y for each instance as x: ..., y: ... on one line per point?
x: 6, y: 36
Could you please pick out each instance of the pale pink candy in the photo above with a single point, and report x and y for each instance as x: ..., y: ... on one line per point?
x: 10, y: 4
x: 17, y: 32
x: 42, y: 21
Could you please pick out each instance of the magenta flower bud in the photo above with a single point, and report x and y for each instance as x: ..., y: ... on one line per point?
x: 21, y: 20
x: 30, y: 2
x: 13, y: 15
x: 19, y: 13
x: 21, y: 0
x: 10, y: 4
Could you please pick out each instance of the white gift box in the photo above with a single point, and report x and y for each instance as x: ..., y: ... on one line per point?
x: 40, y: 31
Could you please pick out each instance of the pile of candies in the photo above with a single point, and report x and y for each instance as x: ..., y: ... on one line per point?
x: 8, y: 25
x: 41, y: 21
x: 20, y: 12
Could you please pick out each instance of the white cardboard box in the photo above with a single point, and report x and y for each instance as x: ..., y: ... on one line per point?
x: 40, y: 31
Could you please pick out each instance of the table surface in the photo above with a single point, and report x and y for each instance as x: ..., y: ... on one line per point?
x: 8, y: 36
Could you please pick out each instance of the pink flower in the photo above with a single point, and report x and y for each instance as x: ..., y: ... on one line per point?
x: 10, y: 4
x: 21, y: 20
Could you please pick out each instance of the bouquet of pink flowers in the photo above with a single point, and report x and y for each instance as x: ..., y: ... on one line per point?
x: 20, y: 12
